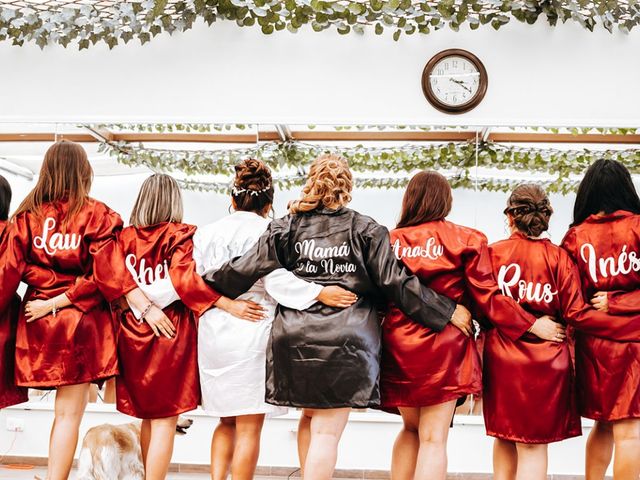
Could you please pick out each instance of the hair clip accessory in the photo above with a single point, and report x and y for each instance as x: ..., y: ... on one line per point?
x: 235, y: 190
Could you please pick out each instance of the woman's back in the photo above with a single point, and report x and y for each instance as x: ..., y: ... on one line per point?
x: 528, y: 270
x: 606, y: 249
x: 437, y: 252
x: 230, y: 237
x: 57, y: 249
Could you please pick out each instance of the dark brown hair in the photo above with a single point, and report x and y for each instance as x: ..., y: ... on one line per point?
x: 5, y: 198
x: 530, y: 209
x: 65, y: 173
x: 427, y: 198
x: 252, y: 187
x: 606, y: 187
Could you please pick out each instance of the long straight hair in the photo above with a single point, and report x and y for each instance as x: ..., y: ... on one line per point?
x: 427, y: 198
x: 159, y: 201
x: 606, y: 187
x: 65, y: 174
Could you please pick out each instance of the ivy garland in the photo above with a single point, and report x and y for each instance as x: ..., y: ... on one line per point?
x: 456, y: 181
x: 226, y: 127
x: 174, y: 127
x: 114, y: 22
x: 461, y: 158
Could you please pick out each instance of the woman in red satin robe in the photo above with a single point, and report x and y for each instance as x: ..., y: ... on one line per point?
x: 604, y: 241
x: 158, y: 360
x: 10, y: 393
x: 61, y: 244
x: 529, y: 376
x: 425, y: 372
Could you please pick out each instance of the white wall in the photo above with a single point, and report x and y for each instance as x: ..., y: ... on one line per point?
x: 537, y: 75
x: 366, y: 443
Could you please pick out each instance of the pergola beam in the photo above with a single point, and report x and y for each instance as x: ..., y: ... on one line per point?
x: 96, y: 135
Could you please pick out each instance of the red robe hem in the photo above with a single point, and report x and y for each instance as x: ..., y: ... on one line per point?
x: 534, y: 441
x: 98, y: 379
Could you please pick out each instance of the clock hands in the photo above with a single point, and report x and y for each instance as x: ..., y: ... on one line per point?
x: 461, y: 83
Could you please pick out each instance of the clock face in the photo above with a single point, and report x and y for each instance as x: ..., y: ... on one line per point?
x: 454, y: 80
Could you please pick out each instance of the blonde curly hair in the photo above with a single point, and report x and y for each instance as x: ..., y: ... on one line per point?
x: 329, y: 184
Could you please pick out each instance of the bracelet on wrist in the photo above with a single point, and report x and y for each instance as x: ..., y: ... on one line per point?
x: 146, y: 310
x: 54, y: 309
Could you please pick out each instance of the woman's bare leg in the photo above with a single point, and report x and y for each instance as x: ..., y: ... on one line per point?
x: 304, y: 437
x: 222, y: 445
x: 532, y: 461
x: 406, y: 446
x: 626, y: 456
x: 163, y: 432
x: 599, y: 451
x: 247, y: 446
x: 326, y: 429
x: 433, y: 432
x: 110, y: 391
x: 71, y: 400
x: 145, y: 438
x: 505, y: 460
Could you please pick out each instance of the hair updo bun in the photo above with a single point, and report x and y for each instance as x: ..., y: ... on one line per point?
x: 530, y: 209
x: 252, y: 187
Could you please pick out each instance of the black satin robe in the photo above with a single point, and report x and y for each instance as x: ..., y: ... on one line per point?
x: 327, y: 357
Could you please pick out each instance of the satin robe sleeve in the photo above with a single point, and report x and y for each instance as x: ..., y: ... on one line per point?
x: 239, y: 274
x: 106, y: 273
x: 624, y: 303
x: 190, y: 287
x: 585, y: 318
x: 503, y: 312
x: 291, y: 291
x: 14, y: 247
x: 418, y: 302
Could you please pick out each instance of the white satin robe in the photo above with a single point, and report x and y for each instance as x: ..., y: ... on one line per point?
x: 231, y: 351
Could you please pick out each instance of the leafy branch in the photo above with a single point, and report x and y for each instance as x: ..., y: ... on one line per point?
x: 116, y: 23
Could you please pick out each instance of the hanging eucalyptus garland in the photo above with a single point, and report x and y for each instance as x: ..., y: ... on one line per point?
x: 456, y: 181
x: 174, y: 127
x: 460, y: 158
x: 115, y: 22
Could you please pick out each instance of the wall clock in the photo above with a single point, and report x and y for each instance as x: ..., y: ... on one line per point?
x: 454, y: 81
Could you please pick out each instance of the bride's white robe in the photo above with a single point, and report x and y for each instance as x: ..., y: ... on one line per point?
x: 231, y: 351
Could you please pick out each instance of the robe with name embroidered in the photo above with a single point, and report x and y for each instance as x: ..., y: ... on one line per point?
x: 159, y: 375
x: 54, y: 254
x: 607, y: 251
x: 421, y: 367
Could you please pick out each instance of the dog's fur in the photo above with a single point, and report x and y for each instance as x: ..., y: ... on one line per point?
x: 113, y: 452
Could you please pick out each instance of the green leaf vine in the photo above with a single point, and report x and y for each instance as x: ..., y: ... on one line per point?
x: 115, y: 23
x: 458, y: 160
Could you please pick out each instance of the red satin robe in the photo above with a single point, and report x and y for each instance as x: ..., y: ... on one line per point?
x: 159, y: 376
x: 421, y: 367
x: 10, y: 393
x: 607, y: 252
x: 51, y: 257
x: 530, y: 376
